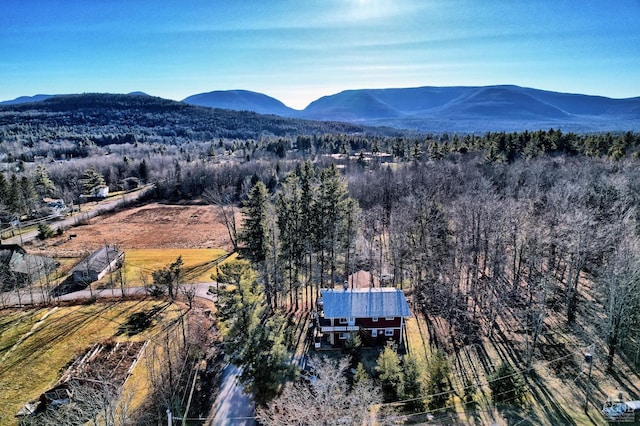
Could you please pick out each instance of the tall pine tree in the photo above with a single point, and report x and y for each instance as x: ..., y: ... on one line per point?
x: 255, y: 229
x: 290, y: 225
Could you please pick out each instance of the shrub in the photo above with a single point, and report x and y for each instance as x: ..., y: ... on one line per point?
x: 44, y: 231
x: 438, y: 384
x: 507, y: 385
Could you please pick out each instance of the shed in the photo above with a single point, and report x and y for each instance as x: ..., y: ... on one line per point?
x: 97, y: 265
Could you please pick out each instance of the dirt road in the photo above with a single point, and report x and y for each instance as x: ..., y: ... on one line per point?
x: 103, y: 206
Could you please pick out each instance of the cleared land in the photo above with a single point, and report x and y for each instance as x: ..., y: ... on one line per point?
x: 152, y: 226
x: 36, y: 345
x: 152, y: 236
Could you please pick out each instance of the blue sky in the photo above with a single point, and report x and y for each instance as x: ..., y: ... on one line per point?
x: 299, y: 50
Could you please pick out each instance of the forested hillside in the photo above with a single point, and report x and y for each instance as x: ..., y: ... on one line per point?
x: 108, y: 118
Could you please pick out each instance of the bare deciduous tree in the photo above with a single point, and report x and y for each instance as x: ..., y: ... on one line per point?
x: 326, y: 399
x: 619, y: 283
x: 228, y: 211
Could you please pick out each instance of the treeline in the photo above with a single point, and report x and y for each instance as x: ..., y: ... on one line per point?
x: 493, y: 146
x: 22, y: 146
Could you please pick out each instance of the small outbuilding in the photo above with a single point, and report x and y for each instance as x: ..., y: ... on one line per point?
x: 97, y: 265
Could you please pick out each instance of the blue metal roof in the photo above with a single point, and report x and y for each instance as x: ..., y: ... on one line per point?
x: 364, y: 303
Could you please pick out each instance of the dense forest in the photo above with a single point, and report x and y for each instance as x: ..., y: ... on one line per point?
x: 492, y: 235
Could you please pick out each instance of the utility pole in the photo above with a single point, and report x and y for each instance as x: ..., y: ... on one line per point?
x: 588, y: 357
x: 20, y: 231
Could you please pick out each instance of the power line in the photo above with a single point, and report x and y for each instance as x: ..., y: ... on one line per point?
x: 476, y: 384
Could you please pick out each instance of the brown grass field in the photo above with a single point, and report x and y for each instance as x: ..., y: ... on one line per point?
x: 152, y: 236
x: 152, y: 226
x: 36, y: 345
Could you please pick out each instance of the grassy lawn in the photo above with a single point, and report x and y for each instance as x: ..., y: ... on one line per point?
x: 418, y: 345
x: 140, y: 263
x: 36, y: 345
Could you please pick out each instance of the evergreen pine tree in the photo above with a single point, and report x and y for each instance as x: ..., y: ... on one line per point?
x: 251, y: 341
x: 389, y: 372
x: 506, y: 384
x: 42, y: 182
x: 255, y: 231
x: 91, y: 179
x: 412, y: 384
x: 292, y: 229
x: 15, y: 201
x: 438, y: 386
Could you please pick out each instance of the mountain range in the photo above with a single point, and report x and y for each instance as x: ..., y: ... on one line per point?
x: 440, y: 109
x: 464, y: 109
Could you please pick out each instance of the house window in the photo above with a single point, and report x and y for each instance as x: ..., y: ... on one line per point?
x: 374, y: 319
x: 389, y: 318
x: 85, y: 274
x: 388, y: 332
x: 343, y: 320
x: 344, y: 336
x: 374, y: 333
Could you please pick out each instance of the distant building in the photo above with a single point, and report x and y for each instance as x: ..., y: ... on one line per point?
x: 131, y: 183
x: 375, y: 314
x: 101, y: 191
x: 56, y: 206
x: 97, y: 265
x: 97, y: 193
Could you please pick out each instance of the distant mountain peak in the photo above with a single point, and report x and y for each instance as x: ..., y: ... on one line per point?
x: 477, y: 109
x: 26, y: 99
x: 241, y: 100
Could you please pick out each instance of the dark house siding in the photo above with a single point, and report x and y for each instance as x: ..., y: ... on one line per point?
x: 381, y: 323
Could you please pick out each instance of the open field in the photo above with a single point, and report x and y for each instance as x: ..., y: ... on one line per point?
x: 152, y: 237
x: 199, y: 264
x: 152, y: 226
x: 36, y: 345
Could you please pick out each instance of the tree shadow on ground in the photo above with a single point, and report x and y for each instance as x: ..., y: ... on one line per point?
x: 139, y: 321
x: 547, y: 401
